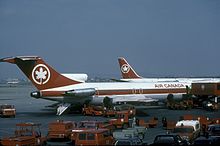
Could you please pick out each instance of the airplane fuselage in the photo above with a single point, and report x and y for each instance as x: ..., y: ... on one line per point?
x: 138, y: 91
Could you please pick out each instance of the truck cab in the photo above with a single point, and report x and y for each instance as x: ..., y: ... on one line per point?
x: 60, y: 132
x: 188, y: 129
x: 121, y: 120
x: 92, y: 137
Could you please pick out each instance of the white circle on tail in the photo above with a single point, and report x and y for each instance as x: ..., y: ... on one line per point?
x: 125, y: 68
x: 41, y: 74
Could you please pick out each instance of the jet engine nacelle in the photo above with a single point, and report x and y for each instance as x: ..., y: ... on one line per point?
x: 36, y: 94
x: 177, y: 97
x: 81, y: 92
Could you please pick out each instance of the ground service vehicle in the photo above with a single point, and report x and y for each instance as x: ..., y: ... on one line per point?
x: 92, y: 137
x: 127, y: 137
x: 92, y: 110
x: 60, y: 132
x: 204, y: 122
x: 126, y: 108
x: 121, y: 120
x: 169, y: 139
x: 128, y: 141
x: 109, y: 112
x: 180, y: 105
x: 188, y: 129
x: 151, y: 123
x: 25, y: 134
x: 168, y: 124
x: 137, y: 131
x: 95, y: 124
x: 7, y: 110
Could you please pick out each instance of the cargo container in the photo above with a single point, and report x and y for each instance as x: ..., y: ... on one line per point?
x: 205, y: 89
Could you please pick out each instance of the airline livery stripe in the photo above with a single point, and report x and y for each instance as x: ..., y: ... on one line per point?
x: 139, y: 91
x: 121, y: 92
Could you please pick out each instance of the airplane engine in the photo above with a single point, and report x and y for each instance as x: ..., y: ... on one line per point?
x: 174, y: 97
x: 36, y: 94
x: 81, y: 92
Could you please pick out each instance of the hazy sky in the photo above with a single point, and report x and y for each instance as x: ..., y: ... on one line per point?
x: 157, y: 37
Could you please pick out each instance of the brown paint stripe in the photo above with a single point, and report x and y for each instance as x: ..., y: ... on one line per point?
x: 142, y: 91
x: 120, y: 92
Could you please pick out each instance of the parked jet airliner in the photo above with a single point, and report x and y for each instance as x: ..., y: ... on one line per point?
x: 129, y: 75
x: 54, y: 86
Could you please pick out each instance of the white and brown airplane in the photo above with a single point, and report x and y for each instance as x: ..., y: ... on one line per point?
x: 54, y: 86
x: 129, y: 75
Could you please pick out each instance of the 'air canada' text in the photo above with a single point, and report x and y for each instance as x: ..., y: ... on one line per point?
x: 169, y: 86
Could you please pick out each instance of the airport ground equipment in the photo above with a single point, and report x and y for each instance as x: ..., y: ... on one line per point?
x: 95, y: 124
x: 168, y: 124
x: 7, y: 110
x: 25, y: 134
x: 122, y: 120
x: 184, y: 103
x: 60, y: 130
x: 206, y: 89
x: 92, y: 110
x: 130, y: 109
x: 151, y: 123
x: 188, y: 129
x: 138, y: 131
x: 109, y: 112
x: 128, y: 137
x: 208, y: 94
x: 97, y: 136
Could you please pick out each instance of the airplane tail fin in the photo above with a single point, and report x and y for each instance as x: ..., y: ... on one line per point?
x: 41, y: 75
x: 126, y: 70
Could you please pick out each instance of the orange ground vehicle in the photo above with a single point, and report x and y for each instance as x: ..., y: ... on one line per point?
x: 121, y: 121
x: 96, y: 124
x: 92, y: 137
x: 60, y: 129
x: 168, y: 124
x: 109, y: 112
x: 25, y: 134
x: 7, y: 110
x: 60, y: 132
x: 151, y: 123
x: 126, y: 108
x: 92, y: 110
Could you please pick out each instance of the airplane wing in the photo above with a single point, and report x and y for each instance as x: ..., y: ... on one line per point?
x: 131, y: 98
